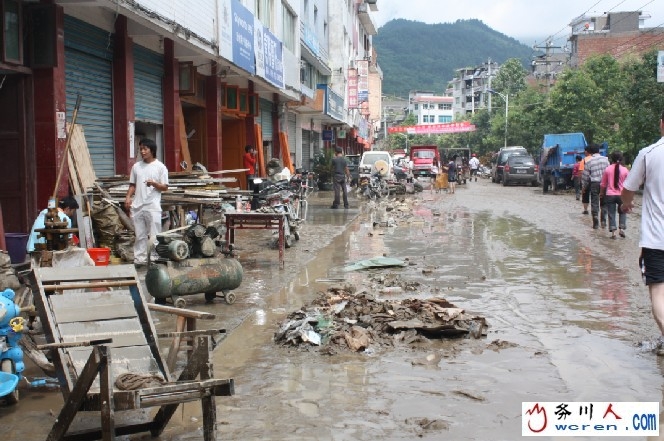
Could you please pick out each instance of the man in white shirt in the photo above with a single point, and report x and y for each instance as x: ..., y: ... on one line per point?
x: 647, y: 171
x: 148, y: 179
x: 474, y: 164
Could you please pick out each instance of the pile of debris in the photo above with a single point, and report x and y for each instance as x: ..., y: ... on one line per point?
x: 345, y: 320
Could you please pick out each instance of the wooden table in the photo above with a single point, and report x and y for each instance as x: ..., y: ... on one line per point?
x: 256, y: 221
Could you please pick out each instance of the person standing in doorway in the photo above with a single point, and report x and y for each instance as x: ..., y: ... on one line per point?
x: 592, y: 176
x: 611, y: 186
x: 249, y: 162
x: 148, y: 179
x: 341, y: 173
x: 647, y: 171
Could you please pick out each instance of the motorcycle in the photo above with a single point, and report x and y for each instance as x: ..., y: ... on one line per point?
x: 280, y: 198
x: 374, y: 186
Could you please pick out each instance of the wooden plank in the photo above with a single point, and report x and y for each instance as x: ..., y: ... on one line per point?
x: 124, y: 332
x: 184, y: 142
x: 92, y: 306
x: 49, y: 275
x: 189, y: 313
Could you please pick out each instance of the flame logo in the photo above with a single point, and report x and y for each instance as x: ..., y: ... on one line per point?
x: 539, y: 410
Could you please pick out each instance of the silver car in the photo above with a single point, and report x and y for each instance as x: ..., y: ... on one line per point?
x: 520, y: 169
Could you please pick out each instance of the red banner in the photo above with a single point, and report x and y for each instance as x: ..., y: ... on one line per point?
x: 425, y: 129
x: 352, y: 88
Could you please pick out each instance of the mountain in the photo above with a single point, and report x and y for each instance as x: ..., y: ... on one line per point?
x: 419, y: 56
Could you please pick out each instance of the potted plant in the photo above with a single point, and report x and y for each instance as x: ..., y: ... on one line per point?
x: 323, y: 169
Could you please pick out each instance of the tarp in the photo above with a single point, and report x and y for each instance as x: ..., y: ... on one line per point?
x: 376, y: 262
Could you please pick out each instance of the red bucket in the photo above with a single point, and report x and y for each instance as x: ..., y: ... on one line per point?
x: 101, y: 256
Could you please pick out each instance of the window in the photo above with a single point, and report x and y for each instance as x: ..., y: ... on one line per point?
x: 315, y: 15
x: 263, y: 10
x: 444, y: 118
x: 12, y: 47
x: 288, y: 28
x: 445, y: 106
x: 416, y: 106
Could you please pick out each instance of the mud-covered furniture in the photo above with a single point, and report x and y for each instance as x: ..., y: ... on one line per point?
x: 98, y: 328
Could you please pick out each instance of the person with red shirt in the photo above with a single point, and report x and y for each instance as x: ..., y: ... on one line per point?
x: 249, y: 161
x: 576, y: 176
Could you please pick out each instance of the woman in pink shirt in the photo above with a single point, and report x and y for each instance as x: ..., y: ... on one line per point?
x: 611, y: 186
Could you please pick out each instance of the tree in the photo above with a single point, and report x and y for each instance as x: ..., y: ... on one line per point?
x: 511, y: 78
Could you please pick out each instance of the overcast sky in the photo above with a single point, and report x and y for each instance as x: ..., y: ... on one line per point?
x: 529, y: 21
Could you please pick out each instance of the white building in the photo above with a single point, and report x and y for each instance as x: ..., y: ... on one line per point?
x: 430, y: 108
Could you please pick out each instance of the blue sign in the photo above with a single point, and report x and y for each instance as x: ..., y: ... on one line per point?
x: 243, y: 37
x: 334, y: 103
x: 274, y: 59
x: 328, y: 135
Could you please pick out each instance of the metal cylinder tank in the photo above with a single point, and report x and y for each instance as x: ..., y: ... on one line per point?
x: 193, y: 276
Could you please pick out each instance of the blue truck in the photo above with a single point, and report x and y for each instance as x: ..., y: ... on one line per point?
x: 557, y: 158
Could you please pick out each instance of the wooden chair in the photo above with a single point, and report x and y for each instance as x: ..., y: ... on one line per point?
x: 98, y: 327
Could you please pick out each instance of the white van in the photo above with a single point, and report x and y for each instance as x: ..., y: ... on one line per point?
x: 369, y: 159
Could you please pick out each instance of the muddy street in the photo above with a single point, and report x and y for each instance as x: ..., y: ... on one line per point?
x: 565, y: 305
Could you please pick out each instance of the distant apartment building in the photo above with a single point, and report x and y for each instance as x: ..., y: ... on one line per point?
x: 615, y: 33
x: 430, y: 108
x: 469, y: 89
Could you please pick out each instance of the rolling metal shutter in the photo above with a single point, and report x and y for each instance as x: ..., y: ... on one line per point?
x: 306, y: 150
x: 148, y: 74
x: 266, y: 119
x: 88, y: 72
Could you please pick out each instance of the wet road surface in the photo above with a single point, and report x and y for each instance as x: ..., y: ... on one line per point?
x: 565, y: 305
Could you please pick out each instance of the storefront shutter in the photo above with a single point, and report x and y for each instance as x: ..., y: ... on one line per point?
x: 88, y: 72
x: 266, y: 119
x: 148, y: 75
x: 306, y: 150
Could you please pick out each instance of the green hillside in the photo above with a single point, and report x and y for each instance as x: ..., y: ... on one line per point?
x: 419, y: 56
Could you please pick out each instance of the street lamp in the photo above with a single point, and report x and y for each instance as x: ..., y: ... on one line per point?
x: 505, y: 98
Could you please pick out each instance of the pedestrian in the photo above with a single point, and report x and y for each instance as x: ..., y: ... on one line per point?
x: 611, y: 187
x: 66, y: 209
x: 452, y: 174
x: 341, y: 173
x: 585, y: 191
x: 576, y: 177
x: 249, y: 162
x: 647, y: 171
x: 148, y: 179
x: 474, y: 164
x: 592, y: 177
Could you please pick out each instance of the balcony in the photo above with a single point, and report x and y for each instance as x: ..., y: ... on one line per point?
x: 365, y: 19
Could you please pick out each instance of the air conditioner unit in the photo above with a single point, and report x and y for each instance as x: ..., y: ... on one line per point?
x: 371, y: 2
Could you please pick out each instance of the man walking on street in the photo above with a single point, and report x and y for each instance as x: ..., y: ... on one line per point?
x: 647, y: 171
x: 341, y: 172
x: 148, y: 179
x: 592, y: 177
x: 474, y: 164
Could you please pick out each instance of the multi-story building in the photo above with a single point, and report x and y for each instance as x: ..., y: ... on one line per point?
x: 615, y: 33
x: 470, y: 88
x: 203, y: 78
x: 429, y: 108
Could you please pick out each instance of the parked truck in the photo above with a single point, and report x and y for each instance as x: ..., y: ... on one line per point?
x: 557, y: 158
x: 426, y: 160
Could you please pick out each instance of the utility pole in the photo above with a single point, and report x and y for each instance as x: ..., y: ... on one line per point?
x: 547, y: 61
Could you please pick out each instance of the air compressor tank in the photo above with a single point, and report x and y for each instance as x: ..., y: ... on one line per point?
x: 194, y: 276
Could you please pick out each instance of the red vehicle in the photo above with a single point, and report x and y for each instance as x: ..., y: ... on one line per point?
x: 426, y: 160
